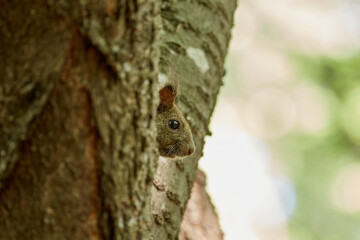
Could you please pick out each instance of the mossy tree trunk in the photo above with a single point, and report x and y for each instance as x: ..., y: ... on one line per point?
x: 78, y: 80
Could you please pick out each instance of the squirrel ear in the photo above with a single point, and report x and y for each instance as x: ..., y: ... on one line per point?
x: 167, y: 95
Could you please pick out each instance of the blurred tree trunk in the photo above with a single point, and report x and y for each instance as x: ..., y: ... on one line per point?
x: 200, y: 221
x: 78, y: 98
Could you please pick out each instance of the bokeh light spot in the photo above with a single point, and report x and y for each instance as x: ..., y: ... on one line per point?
x: 345, y: 190
x: 270, y: 113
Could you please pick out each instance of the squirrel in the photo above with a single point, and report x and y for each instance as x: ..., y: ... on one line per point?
x: 174, y: 133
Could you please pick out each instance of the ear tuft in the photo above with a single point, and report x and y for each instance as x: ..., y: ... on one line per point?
x: 167, y: 95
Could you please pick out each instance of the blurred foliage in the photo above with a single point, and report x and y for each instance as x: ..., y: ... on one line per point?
x: 315, y: 159
x: 340, y: 75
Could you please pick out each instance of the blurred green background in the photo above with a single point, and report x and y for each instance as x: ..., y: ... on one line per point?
x: 284, y: 159
x: 326, y: 167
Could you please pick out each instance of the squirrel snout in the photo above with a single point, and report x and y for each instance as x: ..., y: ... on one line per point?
x: 191, y: 150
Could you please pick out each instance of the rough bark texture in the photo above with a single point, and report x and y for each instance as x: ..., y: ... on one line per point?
x: 195, y: 39
x: 77, y: 105
x: 78, y: 101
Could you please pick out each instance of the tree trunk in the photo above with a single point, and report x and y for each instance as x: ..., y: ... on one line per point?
x: 200, y: 221
x: 78, y: 100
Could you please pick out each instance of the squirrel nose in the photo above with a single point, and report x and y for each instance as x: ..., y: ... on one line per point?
x: 191, y: 150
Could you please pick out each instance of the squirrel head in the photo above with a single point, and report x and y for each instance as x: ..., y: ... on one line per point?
x: 174, y: 133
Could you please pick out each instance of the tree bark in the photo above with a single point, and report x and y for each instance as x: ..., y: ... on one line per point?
x: 200, y: 220
x: 195, y: 39
x: 78, y: 100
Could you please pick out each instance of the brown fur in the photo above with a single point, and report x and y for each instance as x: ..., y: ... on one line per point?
x: 172, y: 142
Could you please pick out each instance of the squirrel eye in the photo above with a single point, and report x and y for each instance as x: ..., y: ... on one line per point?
x: 174, y: 124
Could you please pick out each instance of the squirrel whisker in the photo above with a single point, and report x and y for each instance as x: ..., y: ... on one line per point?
x: 172, y: 150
